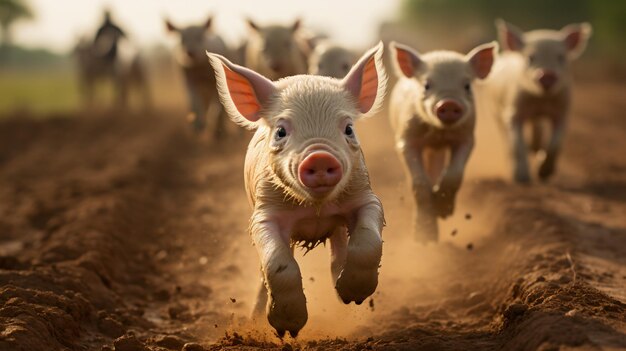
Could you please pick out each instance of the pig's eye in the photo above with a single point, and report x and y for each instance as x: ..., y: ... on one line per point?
x: 531, y: 59
x: 349, y: 131
x: 427, y: 86
x: 281, y: 132
x: 467, y: 87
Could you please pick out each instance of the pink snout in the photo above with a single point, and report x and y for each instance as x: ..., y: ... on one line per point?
x: 449, y: 111
x: 547, y: 79
x: 276, y: 66
x: 320, y: 171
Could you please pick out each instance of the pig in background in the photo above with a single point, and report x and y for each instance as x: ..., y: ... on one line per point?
x: 194, y: 42
x: 110, y: 56
x: 531, y: 84
x: 331, y: 60
x: 432, y: 113
x: 306, y: 179
x: 276, y: 51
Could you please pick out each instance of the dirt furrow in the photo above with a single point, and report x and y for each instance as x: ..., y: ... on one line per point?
x: 127, y: 232
x: 82, y: 199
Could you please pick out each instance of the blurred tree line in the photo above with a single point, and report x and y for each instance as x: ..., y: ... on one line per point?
x: 12, y: 55
x: 12, y: 11
x: 456, y: 17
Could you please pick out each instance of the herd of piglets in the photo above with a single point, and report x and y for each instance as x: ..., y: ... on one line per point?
x: 305, y: 174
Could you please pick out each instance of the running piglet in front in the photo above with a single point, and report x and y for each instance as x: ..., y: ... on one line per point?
x: 306, y: 179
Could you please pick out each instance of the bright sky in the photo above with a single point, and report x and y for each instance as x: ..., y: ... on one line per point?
x: 59, y: 23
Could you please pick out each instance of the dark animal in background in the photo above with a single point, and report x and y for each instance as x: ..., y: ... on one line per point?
x: 111, y: 57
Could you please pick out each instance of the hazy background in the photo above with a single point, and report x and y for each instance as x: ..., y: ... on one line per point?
x: 37, y: 72
x: 58, y: 23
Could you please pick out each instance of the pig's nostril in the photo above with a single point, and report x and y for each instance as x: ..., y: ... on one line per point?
x: 547, y: 79
x: 277, y: 67
x: 449, y: 111
x: 320, y: 171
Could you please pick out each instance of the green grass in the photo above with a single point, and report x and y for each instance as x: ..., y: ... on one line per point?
x: 38, y: 91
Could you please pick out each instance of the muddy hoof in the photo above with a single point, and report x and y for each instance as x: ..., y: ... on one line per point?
x: 545, y: 171
x: 522, y: 178
x: 425, y: 238
x: 346, y: 301
x: 294, y: 333
x: 358, y: 302
x: 280, y: 333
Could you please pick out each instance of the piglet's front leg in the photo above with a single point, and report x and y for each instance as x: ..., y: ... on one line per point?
x: 197, y: 106
x: 359, y: 276
x: 519, y: 151
x: 547, y: 167
x: 286, y: 305
x: 425, y: 220
x: 444, y: 193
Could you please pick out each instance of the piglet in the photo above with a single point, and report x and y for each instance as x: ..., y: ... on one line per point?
x: 432, y: 116
x: 195, y: 40
x: 306, y: 179
x: 276, y: 51
x: 331, y: 60
x: 531, y: 83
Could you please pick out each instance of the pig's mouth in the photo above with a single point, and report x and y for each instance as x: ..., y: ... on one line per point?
x: 277, y: 66
x: 322, y: 190
x: 194, y: 57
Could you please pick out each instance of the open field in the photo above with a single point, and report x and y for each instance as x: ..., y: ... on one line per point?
x: 38, y: 91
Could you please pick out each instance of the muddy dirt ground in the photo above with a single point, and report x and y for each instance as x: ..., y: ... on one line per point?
x: 125, y: 232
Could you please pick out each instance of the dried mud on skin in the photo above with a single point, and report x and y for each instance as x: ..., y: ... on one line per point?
x: 121, y: 232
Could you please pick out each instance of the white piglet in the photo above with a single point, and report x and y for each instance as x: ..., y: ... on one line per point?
x: 530, y: 84
x: 432, y: 114
x: 306, y: 179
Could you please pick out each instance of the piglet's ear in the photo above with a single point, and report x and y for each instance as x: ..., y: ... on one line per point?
x: 575, y: 37
x: 481, y: 59
x: 170, y: 26
x: 207, y: 24
x: 367, y: 80
x: 252, y: 25
x: 511, y: 38
x: 243, y: 92
x: 406, y: 61
x: 297, y: 24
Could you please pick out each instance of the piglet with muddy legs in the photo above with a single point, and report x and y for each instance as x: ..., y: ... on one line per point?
x: 306, y: 179
x: 531, y: 85
x: 432, y: 114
